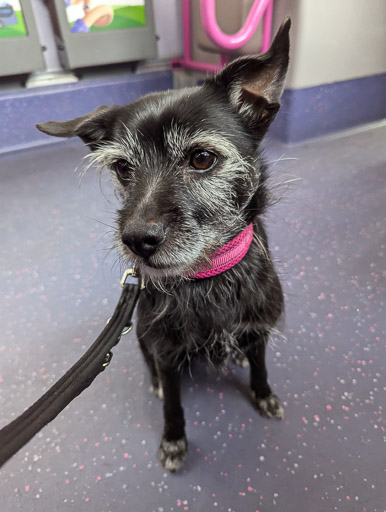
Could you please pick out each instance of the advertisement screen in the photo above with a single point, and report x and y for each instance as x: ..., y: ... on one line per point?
x: 97, y: 15
x: 11, y: 19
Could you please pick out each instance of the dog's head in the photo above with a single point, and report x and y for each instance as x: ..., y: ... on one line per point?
x: 186, y: 163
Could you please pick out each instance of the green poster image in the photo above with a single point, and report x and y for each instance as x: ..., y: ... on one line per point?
x: 96, y: 15
x: 11, y: 19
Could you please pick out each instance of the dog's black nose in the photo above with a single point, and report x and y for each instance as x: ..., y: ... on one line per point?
x: 144, y: 238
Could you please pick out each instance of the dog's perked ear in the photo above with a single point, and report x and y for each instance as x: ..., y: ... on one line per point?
x: 92, y: 128
x: 254, y: 84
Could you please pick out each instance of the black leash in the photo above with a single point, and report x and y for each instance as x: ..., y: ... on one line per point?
x: 17, y: 433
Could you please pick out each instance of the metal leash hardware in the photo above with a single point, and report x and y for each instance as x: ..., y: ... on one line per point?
x: 133, y: 273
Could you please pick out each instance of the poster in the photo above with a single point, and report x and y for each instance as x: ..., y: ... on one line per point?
x: 11, y: 19
x: 97, y: 15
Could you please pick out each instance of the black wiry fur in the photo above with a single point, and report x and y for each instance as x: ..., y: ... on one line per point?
x: 148, y: 145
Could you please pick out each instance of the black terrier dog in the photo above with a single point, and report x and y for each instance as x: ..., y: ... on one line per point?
x: 188, y: 168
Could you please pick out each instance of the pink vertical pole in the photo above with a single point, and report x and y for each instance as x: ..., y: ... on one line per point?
x: 224, y: 59
x: 187, y: 61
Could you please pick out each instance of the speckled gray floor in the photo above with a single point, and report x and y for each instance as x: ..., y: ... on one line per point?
x: 58, y: 285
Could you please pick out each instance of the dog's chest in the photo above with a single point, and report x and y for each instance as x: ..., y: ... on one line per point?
x: 206, y: 333
x: 195, y: 321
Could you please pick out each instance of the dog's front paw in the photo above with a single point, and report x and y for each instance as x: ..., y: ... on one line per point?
x: 268, y: 407
x: 173, y: 453
x: 157, y: 391
x: 240, y: 359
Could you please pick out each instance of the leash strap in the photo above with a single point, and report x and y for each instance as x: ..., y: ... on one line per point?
x: 17, y: 433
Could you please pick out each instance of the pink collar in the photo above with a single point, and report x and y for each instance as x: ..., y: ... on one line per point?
x: 229, y: 255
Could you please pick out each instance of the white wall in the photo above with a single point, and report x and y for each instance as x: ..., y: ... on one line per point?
x: 334, y: 40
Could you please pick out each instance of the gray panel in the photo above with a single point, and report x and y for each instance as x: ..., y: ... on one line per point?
x: 110, y: 47
x: 22, y: 54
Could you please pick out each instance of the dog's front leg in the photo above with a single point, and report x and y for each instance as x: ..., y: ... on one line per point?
x: 174, y: 446
x: 264, y: 400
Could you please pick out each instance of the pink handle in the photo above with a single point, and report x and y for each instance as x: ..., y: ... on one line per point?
x: 233, y: 41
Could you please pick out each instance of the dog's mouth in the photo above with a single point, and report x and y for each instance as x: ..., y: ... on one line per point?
x: 154, y: 269
x: 165, y: 264
x: 156, y: 265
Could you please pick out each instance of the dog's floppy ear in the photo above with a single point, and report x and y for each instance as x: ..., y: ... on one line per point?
x: 254, y: 84
x: 91, y: 128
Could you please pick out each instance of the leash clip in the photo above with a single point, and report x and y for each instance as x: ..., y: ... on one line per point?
x: 107, y: 360
x: 133, y: 273
x: 126, y: 330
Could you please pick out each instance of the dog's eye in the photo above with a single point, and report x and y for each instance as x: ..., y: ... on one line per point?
x: 122, y: 168
x: 202, y: 160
